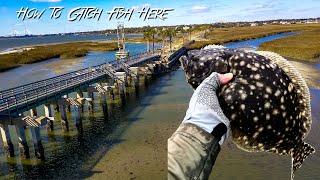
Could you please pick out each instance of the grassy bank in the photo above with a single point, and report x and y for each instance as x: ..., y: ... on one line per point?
x: 142, y: 40
x: 304, y: 46
x: 226, y: 35
x: 41, y: 53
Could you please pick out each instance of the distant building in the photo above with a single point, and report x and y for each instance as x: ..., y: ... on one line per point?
x: 253, y: 24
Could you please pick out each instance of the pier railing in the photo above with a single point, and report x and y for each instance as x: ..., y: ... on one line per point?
x: 13, y: 97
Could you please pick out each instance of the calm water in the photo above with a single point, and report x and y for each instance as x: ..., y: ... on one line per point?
x: 129, y: 140
x: 317, y: 65
x: 8, y: 43
x: 255, y: 43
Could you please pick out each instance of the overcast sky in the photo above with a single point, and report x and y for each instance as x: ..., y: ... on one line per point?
x: 186, y: 12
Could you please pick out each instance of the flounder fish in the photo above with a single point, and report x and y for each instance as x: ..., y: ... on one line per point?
x: 267, y: 101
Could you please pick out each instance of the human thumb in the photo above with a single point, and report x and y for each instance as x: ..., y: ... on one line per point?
x: 225, y: 78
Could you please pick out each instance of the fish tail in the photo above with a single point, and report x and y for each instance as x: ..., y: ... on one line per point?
x: 299, y: 155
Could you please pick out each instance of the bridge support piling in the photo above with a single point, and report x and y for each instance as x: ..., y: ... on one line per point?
x: 104, y: 102
x: 122, y: 91
x: 130, y: 80
x: 80, y: 95
x: 112, y: 93
x: 90, y: 103
x: 67, y: 106
x: 64, y: 120
x: 104, y: 99
x: 48, y: 113
x: 7, y: 143
x: 33, y: 112
x: 136, y: 82
x: 90, y: 95
x: 23, y: 145
x: 56, y: 107
x: 126, y: 81
x: 145, y: 79
x: 78, y: 119
x: 36, y: 138
x: 90, y: 106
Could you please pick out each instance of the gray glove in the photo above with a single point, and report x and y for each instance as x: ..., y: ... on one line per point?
x: 204, y: 109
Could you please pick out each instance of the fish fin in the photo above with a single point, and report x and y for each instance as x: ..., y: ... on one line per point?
x: 184, y: 62
x: 299, y: 155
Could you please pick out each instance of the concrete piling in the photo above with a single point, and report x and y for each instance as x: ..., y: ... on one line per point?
x: 64, y: 120
x: 146, y: 80
x: 33, y: 112
x: 36, y: 138
x: 122, y: 90
x: 80, y: 95
x: 90, y: 106
x: 48, y: 113
x: 7, y: 143
x: 135, y: 76
x: 56, y: 107
x: 90, y: 103
x: 104, y: 104
x: 126, y: 82
x: 67, y: 106
x: 22, y: 140
x: 90, y: 95
x: 136, y: 82
x: 112, y: 93
x: 78, y: 119
x: 104, y: 99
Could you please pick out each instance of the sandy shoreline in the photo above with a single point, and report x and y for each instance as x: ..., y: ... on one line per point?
x: 16, y: 50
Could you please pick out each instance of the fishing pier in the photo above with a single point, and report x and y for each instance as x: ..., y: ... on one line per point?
x: 19, y: 106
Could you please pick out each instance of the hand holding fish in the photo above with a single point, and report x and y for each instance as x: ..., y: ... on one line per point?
x: 204, y: 110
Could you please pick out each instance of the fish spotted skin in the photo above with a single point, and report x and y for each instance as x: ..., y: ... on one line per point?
x: 265, y: 111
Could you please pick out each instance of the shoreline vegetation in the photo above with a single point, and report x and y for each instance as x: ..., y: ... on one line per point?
x: 142, y: 40
x: 35, y: 54
x: 304, y: 46
x: 300, y: 47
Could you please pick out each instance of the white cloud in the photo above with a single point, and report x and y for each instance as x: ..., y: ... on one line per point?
x: 33, y: 21
x: 198, y: 9
x: 135, y: 7
x: 142, y: 6
x: 46, y: 0
x: 146, y: 5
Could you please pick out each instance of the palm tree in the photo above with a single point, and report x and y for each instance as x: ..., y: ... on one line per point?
x: 147, y: 36
x: 183, y: 32
x: 152, y: 33
x: 163, y: 35
x: 190, y: 31
x: 171, y: 33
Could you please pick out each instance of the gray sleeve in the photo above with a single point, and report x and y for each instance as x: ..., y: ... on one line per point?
x: 191, y: 153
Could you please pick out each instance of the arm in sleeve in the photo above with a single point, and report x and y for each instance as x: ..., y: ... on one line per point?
x: 192, y: 152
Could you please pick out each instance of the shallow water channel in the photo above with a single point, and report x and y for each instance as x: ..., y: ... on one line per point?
x: 129, y: 140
